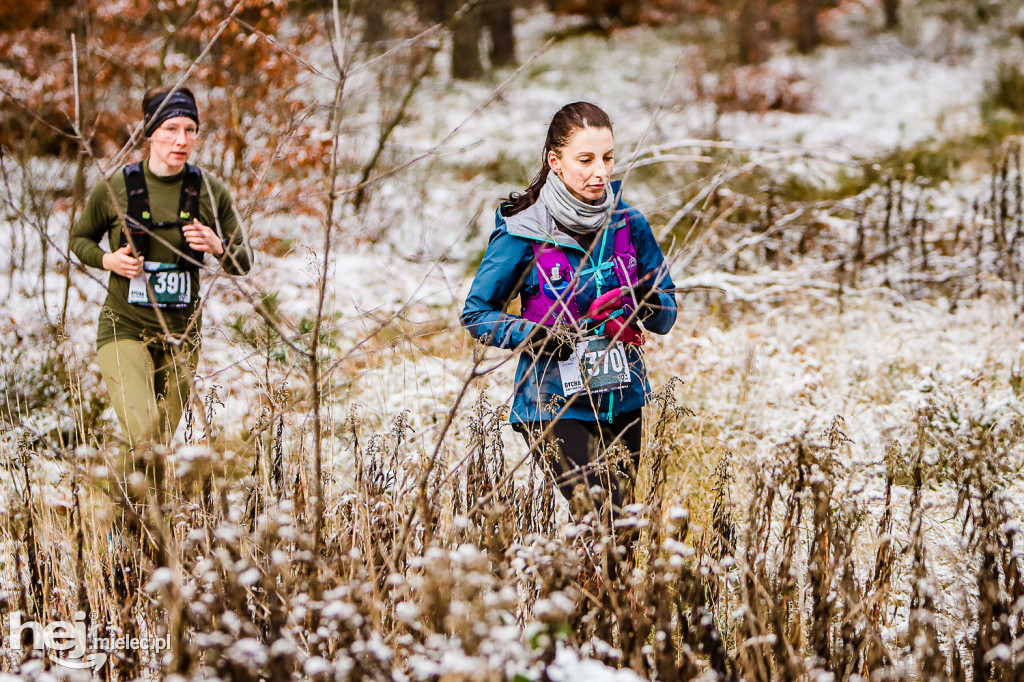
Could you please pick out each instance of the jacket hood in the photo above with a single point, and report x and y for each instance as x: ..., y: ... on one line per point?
x: 537, y: 224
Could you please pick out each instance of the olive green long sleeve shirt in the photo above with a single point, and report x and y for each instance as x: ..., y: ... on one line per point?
x: 101, y: 218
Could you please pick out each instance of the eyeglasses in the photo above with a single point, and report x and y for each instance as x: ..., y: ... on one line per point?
x: 170, y: 133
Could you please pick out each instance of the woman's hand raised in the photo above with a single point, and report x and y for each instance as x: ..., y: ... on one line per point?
x: 123, y: 263
x: 203, y: 239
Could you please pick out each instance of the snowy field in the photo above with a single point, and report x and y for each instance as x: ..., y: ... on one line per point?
x: 765, y: 354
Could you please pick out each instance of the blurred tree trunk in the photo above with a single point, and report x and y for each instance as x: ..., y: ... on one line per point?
x: 466, y: 63
x: 498, y: 17
x: 375, y: 29
x: 892, y: 13
x: 622, y: 12
x: 753, y: 30
x: 808, y: 34
x: 466, y: 20
x: 431, y: 11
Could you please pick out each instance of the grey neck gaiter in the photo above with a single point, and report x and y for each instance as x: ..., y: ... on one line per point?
x: 577, y: 217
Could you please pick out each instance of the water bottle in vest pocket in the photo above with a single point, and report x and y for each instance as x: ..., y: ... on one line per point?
x: 554, y: 300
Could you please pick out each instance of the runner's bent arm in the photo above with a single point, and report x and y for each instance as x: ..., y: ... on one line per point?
x: 652, y: 270
x: 94, y: 223
x: 237, y: 258
x: 497, y: 281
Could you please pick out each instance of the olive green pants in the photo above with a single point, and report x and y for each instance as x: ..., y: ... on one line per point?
x: 149, y: 386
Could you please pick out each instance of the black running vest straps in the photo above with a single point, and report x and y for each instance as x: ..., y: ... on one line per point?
x: 140, y: 220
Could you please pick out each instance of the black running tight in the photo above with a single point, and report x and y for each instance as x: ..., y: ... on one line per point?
x: 586, y: 456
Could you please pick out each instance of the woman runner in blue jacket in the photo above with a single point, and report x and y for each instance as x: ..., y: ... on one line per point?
x: 587, y: 271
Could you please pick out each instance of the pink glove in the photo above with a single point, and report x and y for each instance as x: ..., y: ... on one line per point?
x: 603, y: 306
x: 615, y: 329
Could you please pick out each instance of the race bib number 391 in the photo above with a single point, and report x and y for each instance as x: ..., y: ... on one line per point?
x: 598, y: 365
x: 168, y: 286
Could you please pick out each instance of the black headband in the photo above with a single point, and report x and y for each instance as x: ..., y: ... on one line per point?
x: 171, y: 105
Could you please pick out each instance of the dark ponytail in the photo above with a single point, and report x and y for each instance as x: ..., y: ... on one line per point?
x: 566, y: 121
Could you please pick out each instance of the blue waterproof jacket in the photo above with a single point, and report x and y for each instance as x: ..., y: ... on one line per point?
x: 508, y: 270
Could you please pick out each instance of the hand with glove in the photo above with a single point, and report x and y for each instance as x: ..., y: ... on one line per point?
x: 647, y: 300
x: 553, y: 342
x: 614, y: 327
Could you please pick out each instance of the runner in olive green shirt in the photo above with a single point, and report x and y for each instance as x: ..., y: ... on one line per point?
x: 147, y: 349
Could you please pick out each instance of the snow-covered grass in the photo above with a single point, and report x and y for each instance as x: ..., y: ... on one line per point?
x: 848, y: 460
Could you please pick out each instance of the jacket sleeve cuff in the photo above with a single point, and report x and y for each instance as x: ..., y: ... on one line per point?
x: 663, y: 319
x: 93, y: 258
x: 520, y: 331
x: 236, y: 260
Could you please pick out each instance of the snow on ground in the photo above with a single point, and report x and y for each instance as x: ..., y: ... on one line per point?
x: 878, y: 91
x: 868, y: 96
x: 872, y: 363
x: 758, y: 377
x: 770, y: 376
x: 864, y: 104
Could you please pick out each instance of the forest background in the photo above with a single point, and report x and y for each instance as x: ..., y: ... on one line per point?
x: 831, y: 477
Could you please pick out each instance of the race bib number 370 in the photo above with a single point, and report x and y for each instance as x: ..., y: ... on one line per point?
x: 598, y: 365
x: 168, y: 286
